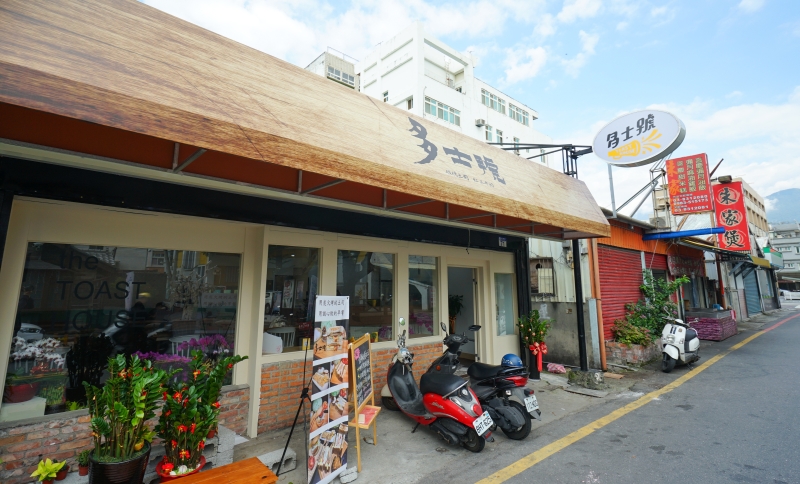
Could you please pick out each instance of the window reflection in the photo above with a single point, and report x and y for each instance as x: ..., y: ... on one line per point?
x: 368, y: 278
x: 423, y: 304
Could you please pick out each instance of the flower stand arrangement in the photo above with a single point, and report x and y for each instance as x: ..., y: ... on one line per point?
x: 118, y: 414
x: 533, y: 330
x: 47, y: 470
x: 190, y: 414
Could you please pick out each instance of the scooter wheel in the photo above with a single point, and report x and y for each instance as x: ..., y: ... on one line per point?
x: 667, y: 363
x: 473, y: 442
x: 523, y: 431
x: 389, y: 404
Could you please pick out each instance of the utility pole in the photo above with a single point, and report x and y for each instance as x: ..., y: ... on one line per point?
x: 576, y: 262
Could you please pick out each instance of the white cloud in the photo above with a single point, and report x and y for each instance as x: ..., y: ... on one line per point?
x: 578, y: 9
x: 546, y: 26
x: 524, y: 64
x: 627, y: 8
x: 734, y: 95
x: 658, y: 11
x: 751, y: 6
x: 770, y: 204
x: 588, y: 43
x: 622, y: 25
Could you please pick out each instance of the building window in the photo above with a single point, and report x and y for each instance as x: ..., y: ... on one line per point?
x: 337, y: 75
x: 518, y: 114
x: 368, y: 279
x: 292, y: 286
x: 488, y: 134
x: 410, y: 103
x: 494, y: 102
x: 442, y: 111
x: 81, y: 304
x: 386, y: 96
x: 504, y: 304
x: 499, y: 136
x: 423, y: 296
x: 516, y: 145
x: 543, y: 284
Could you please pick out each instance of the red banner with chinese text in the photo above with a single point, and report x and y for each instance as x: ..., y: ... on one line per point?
x: 689, y: 189
x: 730, y: 212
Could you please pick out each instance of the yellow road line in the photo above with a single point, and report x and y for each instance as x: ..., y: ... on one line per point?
x: 532, y: 459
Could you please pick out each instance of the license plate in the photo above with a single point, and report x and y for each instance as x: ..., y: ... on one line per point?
x: 531, y: 403
x: 483, y: 423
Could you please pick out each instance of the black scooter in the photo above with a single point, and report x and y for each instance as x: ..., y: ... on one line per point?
x: 500, y: 389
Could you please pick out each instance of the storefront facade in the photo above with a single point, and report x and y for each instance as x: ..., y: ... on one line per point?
x: 139, y: 217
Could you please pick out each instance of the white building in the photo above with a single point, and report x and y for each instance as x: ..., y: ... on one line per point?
x: 335, y: 66
x: 416, y: 72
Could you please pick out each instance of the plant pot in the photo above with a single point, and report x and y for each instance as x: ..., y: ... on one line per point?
x: 83, y: 470
x: 62, y: 474
x: 533, y: 372
x: 49, y: 481
x: 130, y: 471
x: 19, y: 393
x: 165, y: 477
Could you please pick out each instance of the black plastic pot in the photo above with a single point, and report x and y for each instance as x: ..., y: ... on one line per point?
x: 533, y: 372
x: 130, y: 471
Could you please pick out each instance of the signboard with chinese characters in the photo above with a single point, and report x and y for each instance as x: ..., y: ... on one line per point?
x: 639, y: 138
x: 689, y: 189
x: 730, y: 212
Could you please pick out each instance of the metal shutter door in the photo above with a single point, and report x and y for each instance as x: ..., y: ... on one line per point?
x: 620, y: 278
x: 751, y: 295
x: 656, y: 262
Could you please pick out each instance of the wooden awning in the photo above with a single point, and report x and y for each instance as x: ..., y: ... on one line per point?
x: 119, y: 79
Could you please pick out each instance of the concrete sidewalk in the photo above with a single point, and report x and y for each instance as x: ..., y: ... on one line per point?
x: 402, y: 457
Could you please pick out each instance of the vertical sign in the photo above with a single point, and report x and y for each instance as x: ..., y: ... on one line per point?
x: 730, y: 212
x: 689, y: 189
x: 327, y: 444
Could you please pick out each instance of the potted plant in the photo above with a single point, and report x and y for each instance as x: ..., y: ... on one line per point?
x: 533, y: 330
x: 83, y: 463
x: 455, y: 304
x: 118, y: 414
x: 62, y: 473
x: 190, y: 413
x: 47, y: 470
x: 18, y: 389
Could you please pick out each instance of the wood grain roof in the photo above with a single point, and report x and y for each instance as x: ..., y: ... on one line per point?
x: 123, y: 65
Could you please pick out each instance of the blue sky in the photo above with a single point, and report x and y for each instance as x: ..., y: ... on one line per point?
x: 729, y: 69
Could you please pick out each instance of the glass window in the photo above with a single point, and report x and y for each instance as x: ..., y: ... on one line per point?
x: 368, y: 278
x: 504, y: 295
x: 81, y: 304
x: 516, y: 143
x: 386, y: 96
x: 423, y: 296
x: 292, y: 282
x: 499, y: 136
x: 488, y: 133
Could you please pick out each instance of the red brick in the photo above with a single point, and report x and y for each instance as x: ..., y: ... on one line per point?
x: 76, y: 444
x: 12, y: 439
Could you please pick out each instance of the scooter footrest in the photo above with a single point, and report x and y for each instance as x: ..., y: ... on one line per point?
x: 456, y: 427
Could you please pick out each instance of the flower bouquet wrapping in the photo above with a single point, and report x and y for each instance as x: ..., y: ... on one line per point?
x: 533, y: 330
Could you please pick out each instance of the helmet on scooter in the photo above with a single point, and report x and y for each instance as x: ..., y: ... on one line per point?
x: 511, y: 360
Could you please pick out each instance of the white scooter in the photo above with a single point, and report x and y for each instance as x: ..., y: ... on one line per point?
x: 680, y: 345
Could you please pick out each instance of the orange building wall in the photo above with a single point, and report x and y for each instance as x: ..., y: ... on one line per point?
x: 626, y: 238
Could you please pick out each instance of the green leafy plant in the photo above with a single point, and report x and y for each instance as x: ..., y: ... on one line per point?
x: 532, y: 328
x: 628, y: 334
x: 650, y: 312
x: 120, y: 409
x: 72, y: 406
x: 83, y: 458
x: 47, y: 470
x: 455, y: 304
x: 191, y: 410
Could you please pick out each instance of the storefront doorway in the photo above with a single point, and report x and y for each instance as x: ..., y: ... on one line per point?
x: 462, y: 284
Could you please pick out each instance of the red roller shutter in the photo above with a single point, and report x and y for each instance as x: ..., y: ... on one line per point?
x: 620, y: 278
x: 656, y: 262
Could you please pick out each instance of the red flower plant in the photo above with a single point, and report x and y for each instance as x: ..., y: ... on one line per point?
x: 177, y: 396
x: 167, y: 466
x: 201, y: 445
x: 196, y: 373
x: 169, y: 412
x: 165, y: 396
x: 193, y: 427
x: 230, y: 365
x: 181, y: 428
x: 215, y: 404
x: 184, y: 454
x: 174, y: 443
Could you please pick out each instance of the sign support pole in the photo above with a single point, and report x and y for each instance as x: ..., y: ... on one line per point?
x: 576, y: 261
x: 611, y: 186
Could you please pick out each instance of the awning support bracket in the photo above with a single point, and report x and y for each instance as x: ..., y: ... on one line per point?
x: 409, y: 204
x: 467, y: 217
x: 197, y: 154
x: 322, y: 187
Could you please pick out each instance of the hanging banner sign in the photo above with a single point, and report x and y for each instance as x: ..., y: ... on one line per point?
x: 689, y: 188
x: 639, y: 138
x: 730, y: 212
x: 684, y: 266
x: 327, y: 444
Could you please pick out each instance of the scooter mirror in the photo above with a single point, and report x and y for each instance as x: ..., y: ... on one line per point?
x: 444, y: 328
x: 474, y: 327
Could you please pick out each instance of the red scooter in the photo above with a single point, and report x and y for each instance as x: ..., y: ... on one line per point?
x: 443, y: 402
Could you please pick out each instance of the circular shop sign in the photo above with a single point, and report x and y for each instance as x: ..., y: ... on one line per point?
x: 639, y: 138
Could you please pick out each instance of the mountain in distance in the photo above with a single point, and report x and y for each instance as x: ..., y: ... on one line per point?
x: 784, y: 206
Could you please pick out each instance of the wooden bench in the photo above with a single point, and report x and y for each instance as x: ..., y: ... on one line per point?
x: 245, y: 471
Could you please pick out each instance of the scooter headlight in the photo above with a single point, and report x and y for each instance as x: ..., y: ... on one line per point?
x: 669, y: 339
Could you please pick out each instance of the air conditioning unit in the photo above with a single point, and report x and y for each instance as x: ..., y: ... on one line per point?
x: 480, y: 122
x: 659, y: 222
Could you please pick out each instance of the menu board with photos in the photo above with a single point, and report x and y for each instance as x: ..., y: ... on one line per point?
x: 327, y: 445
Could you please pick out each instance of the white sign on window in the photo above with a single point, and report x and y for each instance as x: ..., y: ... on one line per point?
x: 332, y: 308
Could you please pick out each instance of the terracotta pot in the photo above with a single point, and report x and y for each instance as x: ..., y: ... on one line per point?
x: 62, y: 474
x: 19, y: 393
x: 50, y: 481
x: 165, y: 477
x: 83, y: 470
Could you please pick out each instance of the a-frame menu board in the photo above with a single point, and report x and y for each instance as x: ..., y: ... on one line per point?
x: 362, y: 391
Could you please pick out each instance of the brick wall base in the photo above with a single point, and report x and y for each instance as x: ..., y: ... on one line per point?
x: 64, y: 436
x: 622, y: 354
x: 281, y: 383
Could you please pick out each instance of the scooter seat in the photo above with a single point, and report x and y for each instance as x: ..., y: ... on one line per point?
x: 691, y: 334
x: 440, y: 383
x: 482, y: 371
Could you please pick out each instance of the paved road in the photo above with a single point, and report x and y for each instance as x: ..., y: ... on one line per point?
x: 736, y: 421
